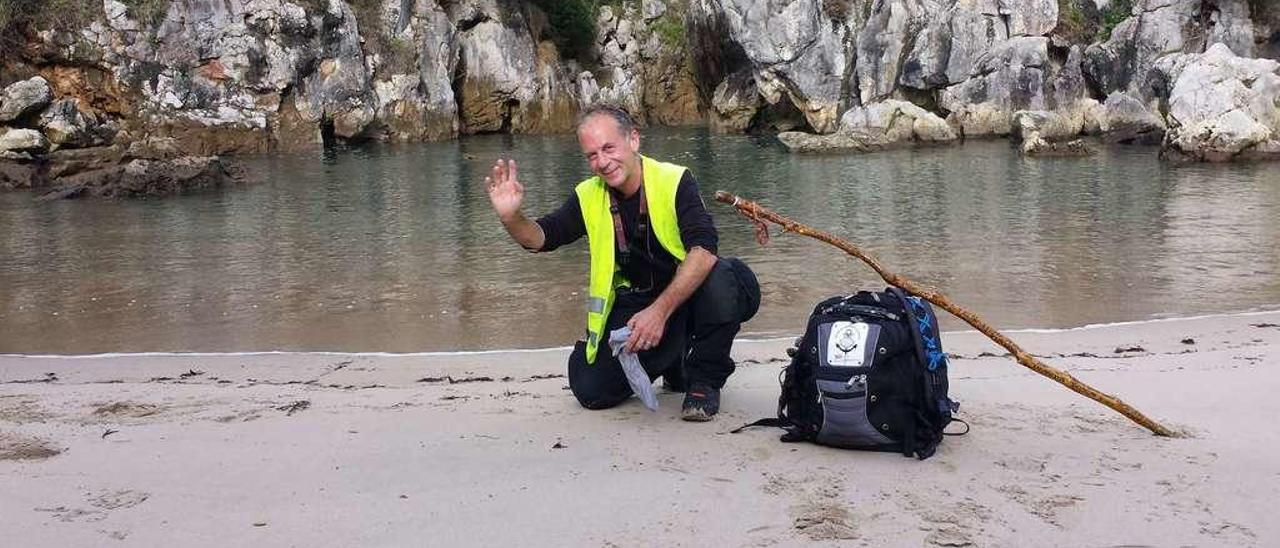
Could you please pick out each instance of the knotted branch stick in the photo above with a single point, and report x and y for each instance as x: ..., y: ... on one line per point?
x: 758, y: 214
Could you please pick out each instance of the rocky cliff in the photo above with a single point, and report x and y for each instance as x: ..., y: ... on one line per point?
x: 235, y: 76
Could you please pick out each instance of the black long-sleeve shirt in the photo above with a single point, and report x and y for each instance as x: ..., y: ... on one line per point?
x: 649, y: 264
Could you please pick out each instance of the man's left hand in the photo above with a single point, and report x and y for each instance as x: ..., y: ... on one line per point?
x: 646, y: 328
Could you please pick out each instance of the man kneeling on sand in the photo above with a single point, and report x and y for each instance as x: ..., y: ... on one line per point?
x: 653, y: 268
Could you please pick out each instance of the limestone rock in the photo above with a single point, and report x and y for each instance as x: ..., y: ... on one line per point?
x: 642, y: 66
x: 412, y: 57
x: 1231, y: 25
x: 1158, y: 28
x: 140, y: 178
x: 735, y: 102
x: 1266, y: 30
x: 1223, y: 106
x: 877, y: 126
x: 22, y: 140
x: 621, y: 76
x: 796, y: 54
x: 1044, y: 124
x: 15, y: 157
x: 843, y: 142
x: 71, y: 161
x: 713, y: 52
x: 950, y: 41
x: 438, y: 56
x: 882, y: 44
x: 16, y: 171
x: 897, y: 122
x: 1036, y: 145
x: 981, y: 28
x: 499, y: 84
x: 670, y: 93
x: 621, y: 88
x: 67, y: 125
x: 339, y: 91
x: 927, y: 44
x: 398, y: 106
x: 1126, y: 120
x: 24, y: 98
x: 555, y: 107
x: 653, y: 9
x: 1010, y: 77
x: 926, y: 64
x: 618, y: 45
x: 1029, y: 17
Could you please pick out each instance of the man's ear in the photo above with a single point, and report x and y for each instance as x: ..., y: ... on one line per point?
x: 634, y: 140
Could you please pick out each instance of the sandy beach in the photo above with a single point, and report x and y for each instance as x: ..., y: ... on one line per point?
x: 491, y: 449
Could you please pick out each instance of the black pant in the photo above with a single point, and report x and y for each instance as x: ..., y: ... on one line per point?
x: 694, y: 348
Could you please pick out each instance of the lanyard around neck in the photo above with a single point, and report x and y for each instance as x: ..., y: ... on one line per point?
x: 642, y: 224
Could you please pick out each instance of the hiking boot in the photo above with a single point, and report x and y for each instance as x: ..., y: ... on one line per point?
x: 700, y: 403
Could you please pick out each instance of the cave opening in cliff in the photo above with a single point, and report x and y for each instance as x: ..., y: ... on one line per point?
x: 1270, y: 48
x: 508, y: 112
x: 326, y: 133
x: 778, y: 117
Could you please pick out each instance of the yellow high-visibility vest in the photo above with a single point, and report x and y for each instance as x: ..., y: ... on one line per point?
x: 660, y: 182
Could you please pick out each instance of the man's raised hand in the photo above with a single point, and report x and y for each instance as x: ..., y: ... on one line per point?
x: 506, y: 194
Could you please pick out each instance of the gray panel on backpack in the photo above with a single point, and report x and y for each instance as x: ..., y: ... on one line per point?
x: 845, y: 424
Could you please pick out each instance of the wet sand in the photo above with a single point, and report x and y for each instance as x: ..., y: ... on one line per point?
x: 488, y: 449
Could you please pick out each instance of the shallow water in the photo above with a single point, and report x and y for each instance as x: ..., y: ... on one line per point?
x: 394, y: 248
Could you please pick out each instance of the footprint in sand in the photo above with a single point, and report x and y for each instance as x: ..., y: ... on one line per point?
x: 954, y: 523
x: 820, y: 513
x: 124, y: 498
x: 824, y: 520
x: 1045, y: 507
x: 949, y: 537
x: 103, y: 503
x: 1031, y: 464
x: 1232, y: 533
x: 64, y: 514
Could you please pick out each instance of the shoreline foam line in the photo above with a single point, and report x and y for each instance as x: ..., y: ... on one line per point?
x: 438, y: 353
x: 746, y: 339
x: 1091, y: 326
x: 1086, y: 327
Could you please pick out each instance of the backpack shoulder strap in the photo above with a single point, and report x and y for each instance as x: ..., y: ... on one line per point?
x: 924, y: 330
x: 792, y: 434
x: 771, y: 421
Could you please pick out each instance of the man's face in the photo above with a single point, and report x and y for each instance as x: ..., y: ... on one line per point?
x: 612, y: 154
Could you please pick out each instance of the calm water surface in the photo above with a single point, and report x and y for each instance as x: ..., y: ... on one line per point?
x: 395, y: 248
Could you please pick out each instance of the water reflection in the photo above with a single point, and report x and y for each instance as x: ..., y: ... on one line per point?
x: 395, y: 248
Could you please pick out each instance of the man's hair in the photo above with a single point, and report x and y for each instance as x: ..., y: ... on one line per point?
x: 619, y: 115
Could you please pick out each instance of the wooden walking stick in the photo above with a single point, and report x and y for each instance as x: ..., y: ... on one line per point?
x: 759, y: 214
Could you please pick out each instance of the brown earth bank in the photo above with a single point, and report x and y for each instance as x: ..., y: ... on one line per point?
x: 1197, y: 77
x: 467, y: 449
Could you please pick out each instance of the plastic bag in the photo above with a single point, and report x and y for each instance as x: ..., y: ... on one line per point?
x: 636, y: 375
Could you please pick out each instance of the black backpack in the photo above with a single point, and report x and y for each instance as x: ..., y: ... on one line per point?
x: 869, y: 373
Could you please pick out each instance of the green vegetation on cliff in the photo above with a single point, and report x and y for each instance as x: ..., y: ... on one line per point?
x: 573, y: 25
x: 1072, y: 22
x: 148, y: 12
x: 670, y: 29
x: 20, y: 16
x: 1112, y: 15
